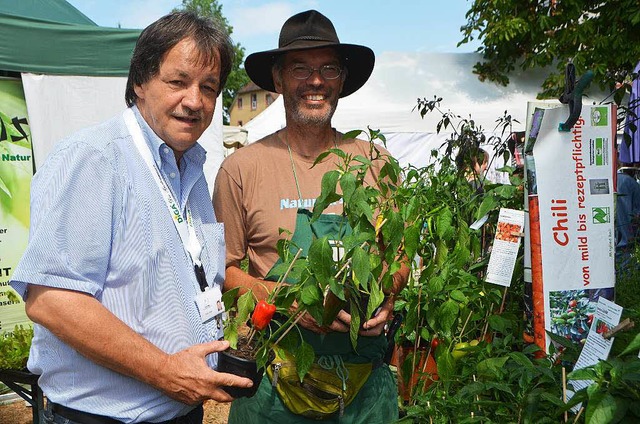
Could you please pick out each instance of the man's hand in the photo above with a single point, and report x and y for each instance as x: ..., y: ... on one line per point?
x: 340, y: 324
x: 370, y: 328
x: 375, y: 326
x: 186, y: 377
x: 85, y: 324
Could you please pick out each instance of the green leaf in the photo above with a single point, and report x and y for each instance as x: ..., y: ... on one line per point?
x: 458, y: 296
x: 246, y: 304
x: 360, y: 267
x: 411, y: 240
x: 328, y: 193
x: 442, y: 252
x: 304, y: 359
x: 321, y: 259
x: 435, y: 285
x: 354, y: 328
x: 5, y: 189
x: 632, y: 347
x: 411, y: 318
x: 601, y: 408
x: 229, y: 298
x: 521, y: 359
x: 447, y: 316
x: 492, y: 367
x: 376, y: 297
x: 366, y: 210
x: 582, y: 374
x: 488, y: 204
x: 14, y: 348
x: 310, y: 293
x: 443, y: 223
x: 446, y: 365
x: 362, y: 159
x: 348, y: 185
x: 321, y: 157
x: 231, y: 333
x: 352, y: 134
x: 394, y: 230
x: 500, y: 324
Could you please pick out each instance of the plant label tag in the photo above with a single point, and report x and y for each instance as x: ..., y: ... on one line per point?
x: 338, y: 249
x: 479, y: 223
x: 209, y: 304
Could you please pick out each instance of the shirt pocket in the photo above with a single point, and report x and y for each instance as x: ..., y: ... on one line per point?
x: 213, y: 250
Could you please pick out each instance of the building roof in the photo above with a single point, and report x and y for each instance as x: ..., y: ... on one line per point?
x: 249, y: 88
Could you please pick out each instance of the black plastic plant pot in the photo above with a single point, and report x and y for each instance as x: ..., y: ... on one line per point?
x: 231, y: 364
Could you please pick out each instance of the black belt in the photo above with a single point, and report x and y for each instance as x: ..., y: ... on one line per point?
x: 88, y: 418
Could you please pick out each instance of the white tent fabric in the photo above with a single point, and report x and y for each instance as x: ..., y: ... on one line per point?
x: 233, y: 138
x: 60, y: 105
x: 387, y: 100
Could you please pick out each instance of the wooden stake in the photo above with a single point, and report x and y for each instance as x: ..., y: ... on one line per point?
x: 504, y: 298
x: 624, y: 325
x: 280, y: 284
x: 290, y: 327
x: 415, y: 353
x: 465, y: 324
x: 578, y: 416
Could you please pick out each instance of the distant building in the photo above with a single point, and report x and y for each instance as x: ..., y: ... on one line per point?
x: 249, y: 102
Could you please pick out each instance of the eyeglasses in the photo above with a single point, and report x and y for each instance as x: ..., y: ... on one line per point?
x: 302, y: 72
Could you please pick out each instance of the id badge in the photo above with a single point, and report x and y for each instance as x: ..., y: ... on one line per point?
x: 210, y: 304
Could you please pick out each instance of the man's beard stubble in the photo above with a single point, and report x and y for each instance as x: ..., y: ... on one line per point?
x: 302, y: 114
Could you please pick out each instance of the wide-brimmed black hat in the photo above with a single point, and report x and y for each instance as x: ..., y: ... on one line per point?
x: 312, y: 30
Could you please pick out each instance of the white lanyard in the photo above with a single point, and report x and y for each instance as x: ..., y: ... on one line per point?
x: 183, y: 223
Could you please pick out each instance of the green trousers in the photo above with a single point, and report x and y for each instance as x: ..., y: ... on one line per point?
x: 376, y: 403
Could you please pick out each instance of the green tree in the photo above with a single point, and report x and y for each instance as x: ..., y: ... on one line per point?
x: 238, y: 77
x: 598, y: 35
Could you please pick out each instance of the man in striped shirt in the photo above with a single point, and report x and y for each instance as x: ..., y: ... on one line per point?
x: 125, y: 251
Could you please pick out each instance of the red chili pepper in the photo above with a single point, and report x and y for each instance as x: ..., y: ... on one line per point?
x: 434, y: 343
x: 262, y: 314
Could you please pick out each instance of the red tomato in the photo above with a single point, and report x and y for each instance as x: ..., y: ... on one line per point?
x: 573, y: 303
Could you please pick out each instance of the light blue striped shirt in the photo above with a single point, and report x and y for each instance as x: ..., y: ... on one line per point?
x: 99, y: 225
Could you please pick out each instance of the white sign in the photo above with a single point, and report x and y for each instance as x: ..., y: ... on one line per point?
x: 506, y: 243
x: 597, y: 348
x: 572, y: 174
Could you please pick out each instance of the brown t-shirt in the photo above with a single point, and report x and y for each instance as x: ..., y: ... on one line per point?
x: 255, y: 195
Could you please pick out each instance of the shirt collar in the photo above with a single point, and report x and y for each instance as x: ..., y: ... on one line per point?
x: 196, y: 154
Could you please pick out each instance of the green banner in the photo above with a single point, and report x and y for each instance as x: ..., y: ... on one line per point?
x: 16, y: 170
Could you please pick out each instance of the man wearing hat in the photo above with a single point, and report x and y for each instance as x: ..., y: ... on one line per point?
x: 272, y: 184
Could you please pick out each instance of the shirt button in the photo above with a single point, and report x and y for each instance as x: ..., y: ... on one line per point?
x: 166, y: 150
x: 172, y: 175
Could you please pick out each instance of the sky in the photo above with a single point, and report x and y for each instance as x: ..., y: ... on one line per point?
x: 382, y: 25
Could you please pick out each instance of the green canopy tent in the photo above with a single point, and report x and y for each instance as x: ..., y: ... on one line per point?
x: 57, y: 51
x: 52, y: 37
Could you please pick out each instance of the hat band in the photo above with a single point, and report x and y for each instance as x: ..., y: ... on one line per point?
x: 310, y: 38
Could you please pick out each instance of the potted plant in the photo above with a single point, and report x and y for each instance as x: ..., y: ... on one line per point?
x: 253, y: 329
